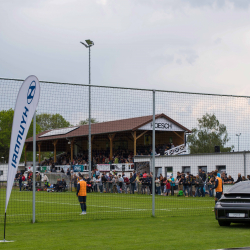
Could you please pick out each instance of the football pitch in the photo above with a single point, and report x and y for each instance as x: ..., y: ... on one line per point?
x: 116, y: 221
x: 65, y: 206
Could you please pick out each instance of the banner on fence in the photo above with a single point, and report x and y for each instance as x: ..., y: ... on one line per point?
x: 116, y: 167
x: 78, y: 168
x: 44, y: 169
x: 25, y: 108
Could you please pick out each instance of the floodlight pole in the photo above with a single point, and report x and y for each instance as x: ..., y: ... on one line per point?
x: 153, y: 158
x: 89, y: 118
x: 88, y: 45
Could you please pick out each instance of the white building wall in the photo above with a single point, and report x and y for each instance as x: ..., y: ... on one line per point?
x: 4, y: 168
x: 233, y: 161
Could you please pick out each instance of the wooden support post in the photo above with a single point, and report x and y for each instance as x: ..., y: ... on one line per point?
x: 136, y: 138
x: 39, y: 151
x: 54, y: 143
x: 111, y: 137
x: 72, y: 149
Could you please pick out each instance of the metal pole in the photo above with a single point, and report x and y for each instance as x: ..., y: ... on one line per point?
x: 153, y: 158
x: 34, y: 170
x: 89, y: 119
x: 245, y: 172
x: 238, y: 143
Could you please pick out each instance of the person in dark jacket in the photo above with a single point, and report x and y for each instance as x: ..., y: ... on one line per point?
x: 199, y: 186
x: 132, y: 182
x: 20, y: 179
x: 186, y: 185
x: 239, y: 178
x: 149, y: 182
x: 144, y: 185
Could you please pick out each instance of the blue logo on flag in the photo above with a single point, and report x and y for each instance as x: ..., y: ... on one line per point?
x: 31, y: 92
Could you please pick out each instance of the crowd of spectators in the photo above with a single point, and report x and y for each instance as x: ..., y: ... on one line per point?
x: 103, y: 156
x: 184, y: 184
x: 203, y: 182
x: 99, y: 157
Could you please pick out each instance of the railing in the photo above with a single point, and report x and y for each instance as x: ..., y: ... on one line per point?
x: 176, y: 150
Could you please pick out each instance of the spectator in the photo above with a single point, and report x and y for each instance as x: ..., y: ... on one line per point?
x: 68, y: 172
x: 144, y: 184
x: 172, y: 185
x: 157, y: 186
x: 230, y: 180
x: 145, y: 175
x: 239, y: 178
x: 139, y: 183
x: 64, y: 184
x: 132, y: 182
x: 75, y: 181
x: 149, y: 183
x: 93, y: 181
x: 161, y: 183
x: 20, y: 179
x: 121, y: 181
x: 99, y: 183
x: 180, y: 185
x: 110, y: 183
x: 114, y: 182
x: 97, y: 173
x: 199, y: 186
x: 126, y: 184
x: 104, y: 182
x: 107, y: 178
x: 181, y: 182
x: 211, y: 185
x: 186, y: 185
x: 168, y: 187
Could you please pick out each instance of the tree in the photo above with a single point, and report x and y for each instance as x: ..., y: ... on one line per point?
x: 6, y: 120
x: 209, y: 133
x: 84, y: 122
x: 51, y: 121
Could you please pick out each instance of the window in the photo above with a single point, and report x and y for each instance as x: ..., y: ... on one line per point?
x: 1, y: 172
x: 168, y: 171
x: 203, y: 168
x: 221, y: 168
x: 158, y: 171
x: 186, y: 169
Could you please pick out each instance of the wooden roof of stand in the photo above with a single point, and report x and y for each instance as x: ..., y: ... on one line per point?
x: 130, y: 124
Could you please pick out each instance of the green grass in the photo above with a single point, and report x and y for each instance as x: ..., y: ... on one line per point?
x: 65, y: 206
x: 190, y: 232
x: 115, y: 221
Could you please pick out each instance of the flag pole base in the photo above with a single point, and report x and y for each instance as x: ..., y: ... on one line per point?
x: 6, y: 241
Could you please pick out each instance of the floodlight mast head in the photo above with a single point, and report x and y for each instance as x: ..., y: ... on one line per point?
x: 89, y: 42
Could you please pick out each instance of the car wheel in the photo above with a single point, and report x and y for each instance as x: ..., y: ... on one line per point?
x: 224, y: 223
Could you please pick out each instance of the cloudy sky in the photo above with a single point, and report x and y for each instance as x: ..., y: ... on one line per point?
x: 182, y: 45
